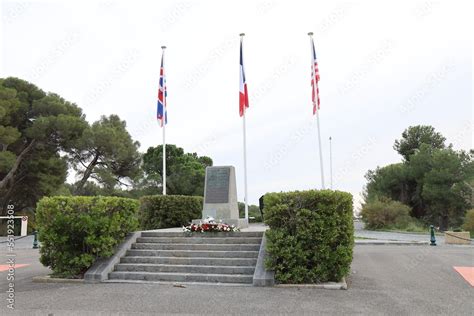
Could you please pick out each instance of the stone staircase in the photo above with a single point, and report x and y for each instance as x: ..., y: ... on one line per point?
x: 201, y: 257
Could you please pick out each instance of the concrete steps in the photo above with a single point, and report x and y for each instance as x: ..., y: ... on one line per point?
x: 146, y: 267
x: 182, y: 277
x: 192, y: 253
x: 200, y: 240
x: 215, y: 247
x: 191, y: 261
x: 201, y: 258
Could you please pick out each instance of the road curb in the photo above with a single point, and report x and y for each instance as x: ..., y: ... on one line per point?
x: 49, y: 279
x: 394, y: 243
x: 177, y: 284
x: 342, y: 285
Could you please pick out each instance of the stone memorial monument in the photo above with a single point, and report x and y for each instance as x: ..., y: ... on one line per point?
x: 220, y: 196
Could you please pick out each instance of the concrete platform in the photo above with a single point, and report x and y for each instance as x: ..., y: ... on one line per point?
x: 252, y: 227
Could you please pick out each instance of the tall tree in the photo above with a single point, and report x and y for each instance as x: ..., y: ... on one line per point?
x: 185, y: 172
x: 435, y: 181
x: 35, y: 127
x: 414, y: 136
x: 106, y: 153
x: 41, y: 173
x: 390, y: 181
x: 446, y: 187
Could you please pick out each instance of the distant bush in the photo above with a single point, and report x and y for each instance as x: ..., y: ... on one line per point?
x: 76, y: 231
x: 386, y: 214
x: 164, y: 211
x: 311, y: 235
x: 469, y: 222
x: 413, y: 225
x: 254, y: 211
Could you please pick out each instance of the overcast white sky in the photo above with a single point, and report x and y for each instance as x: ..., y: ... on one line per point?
x: 384, y: 65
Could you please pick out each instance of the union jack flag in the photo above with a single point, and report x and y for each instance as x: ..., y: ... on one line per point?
x: 314, y: 80
x: 161, y: 113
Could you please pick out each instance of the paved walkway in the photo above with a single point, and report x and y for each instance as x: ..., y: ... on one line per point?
x: 20, y: 242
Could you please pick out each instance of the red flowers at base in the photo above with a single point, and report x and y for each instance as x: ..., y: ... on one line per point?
x: 210, y: 227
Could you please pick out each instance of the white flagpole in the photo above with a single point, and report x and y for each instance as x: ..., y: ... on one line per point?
x: 163, y: 122
x: 330, y: 159
x: 245, y: 168
x: 320, y: 151
x: 317, y: 114
x: 164, y: 158
x: 245, y: 154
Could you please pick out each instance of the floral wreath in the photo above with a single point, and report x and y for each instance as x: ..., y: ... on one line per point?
x: 210, y: 225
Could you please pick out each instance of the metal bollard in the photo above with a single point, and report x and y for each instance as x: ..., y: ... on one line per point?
x: 432, y: 238
x: 35, y: 240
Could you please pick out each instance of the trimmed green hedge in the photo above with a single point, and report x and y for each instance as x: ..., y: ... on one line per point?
x: 164, y: 211
x: 311, y: 235
x: 76, y: 230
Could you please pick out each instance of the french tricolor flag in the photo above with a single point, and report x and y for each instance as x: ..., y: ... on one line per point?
x: 243, y: 93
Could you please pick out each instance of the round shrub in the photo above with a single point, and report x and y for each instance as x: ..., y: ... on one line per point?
x: 386, y: 214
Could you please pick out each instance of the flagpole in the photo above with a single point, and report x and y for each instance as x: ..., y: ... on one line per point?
x: 164, y: 158
x: 317, y: 116
x: 330, y: 159
x: 245, y: 153
x: 245, y: 168
x: 320, y: 151
x: 163, y: 125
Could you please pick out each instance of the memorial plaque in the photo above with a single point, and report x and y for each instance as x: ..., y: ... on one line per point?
x: 220, y: 197
x: 217, y: 186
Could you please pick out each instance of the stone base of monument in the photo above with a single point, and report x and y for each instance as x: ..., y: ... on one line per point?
x: 240, y: 222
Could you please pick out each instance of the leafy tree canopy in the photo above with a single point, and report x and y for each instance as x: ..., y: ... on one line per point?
x: 434, y: 180
x: 35, y: 128
x: 106, y: 153
x: 185, y: 172
x: 414, y: 136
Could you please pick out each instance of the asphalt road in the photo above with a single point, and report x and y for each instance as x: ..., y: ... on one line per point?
x: 396, y: 236
x: 385, y: 235
x: 385, y: 280
x: 25, y: 242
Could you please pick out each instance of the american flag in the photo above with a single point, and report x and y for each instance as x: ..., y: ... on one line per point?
x: 243, y: 93
x: 161, y: 113
x: 314, y: 76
